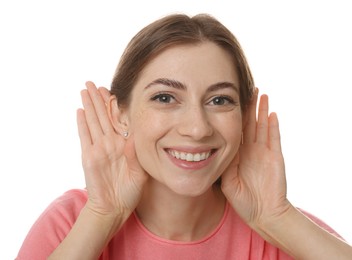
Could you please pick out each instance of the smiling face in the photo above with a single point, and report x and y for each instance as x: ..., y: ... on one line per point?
x: 185, y: 117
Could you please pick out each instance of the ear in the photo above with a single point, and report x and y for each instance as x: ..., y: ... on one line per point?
x: 118, y: 117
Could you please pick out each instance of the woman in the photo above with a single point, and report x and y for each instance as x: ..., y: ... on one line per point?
x: 177, y: 163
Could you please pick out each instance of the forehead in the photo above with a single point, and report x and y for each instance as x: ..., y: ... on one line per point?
x: 202, y: 63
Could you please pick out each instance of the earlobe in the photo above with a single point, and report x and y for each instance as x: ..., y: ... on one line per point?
x: 117, y: 116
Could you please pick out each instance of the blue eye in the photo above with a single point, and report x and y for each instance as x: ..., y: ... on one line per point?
x: 222, y: 100
x: 163, y: 98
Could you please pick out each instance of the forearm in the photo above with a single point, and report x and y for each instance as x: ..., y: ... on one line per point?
x: 296, y: 234
x: 89, y: 236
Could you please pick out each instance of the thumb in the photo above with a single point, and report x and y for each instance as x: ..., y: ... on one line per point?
x: 131, y: 157
x: 230, y: 176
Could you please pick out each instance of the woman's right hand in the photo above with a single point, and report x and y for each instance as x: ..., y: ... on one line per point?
x: 114, y: 178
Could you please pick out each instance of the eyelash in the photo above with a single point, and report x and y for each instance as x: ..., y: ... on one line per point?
x: 227, y: 99
x: 168, y: 98
x: 162, y: 95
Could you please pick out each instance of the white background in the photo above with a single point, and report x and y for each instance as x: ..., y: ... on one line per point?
x: 300, y: 55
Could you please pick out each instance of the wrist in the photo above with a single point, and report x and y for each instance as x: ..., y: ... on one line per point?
x: 108, y: 222
x: 301, y: 238
x: 91, y: 228
x: 274, y: 228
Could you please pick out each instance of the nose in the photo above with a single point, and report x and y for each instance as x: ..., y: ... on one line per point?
x: 195, y: 123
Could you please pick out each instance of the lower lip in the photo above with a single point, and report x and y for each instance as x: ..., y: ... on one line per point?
x: 190, y: 165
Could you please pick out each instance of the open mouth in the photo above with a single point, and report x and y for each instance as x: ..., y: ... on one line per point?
x: 191, y: 157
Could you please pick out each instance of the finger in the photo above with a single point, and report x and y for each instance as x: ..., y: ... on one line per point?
x: 250, y: 128
x: 91, y: 117
x: 262, y: 124
x: 104, y: 92
x: 83, y: 130
x: 274, y: 133
x: 100, y: 107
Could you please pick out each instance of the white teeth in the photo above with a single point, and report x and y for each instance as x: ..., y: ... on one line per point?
x: 190, y: 157
x: 196, y: 157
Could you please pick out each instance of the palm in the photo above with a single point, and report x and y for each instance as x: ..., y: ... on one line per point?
x: 113, y: 175
x: 255, y: 183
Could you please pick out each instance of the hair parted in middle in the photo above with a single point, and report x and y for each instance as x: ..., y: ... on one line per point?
x: 172, y: 30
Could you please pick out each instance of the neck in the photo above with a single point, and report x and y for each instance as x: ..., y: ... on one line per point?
x: 181, y: 218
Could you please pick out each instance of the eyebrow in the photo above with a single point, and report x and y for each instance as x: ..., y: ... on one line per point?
x: 179, y: 85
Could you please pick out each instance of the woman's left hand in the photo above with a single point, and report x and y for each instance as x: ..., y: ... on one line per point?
x: 255, y: 186
x: 255, y: 183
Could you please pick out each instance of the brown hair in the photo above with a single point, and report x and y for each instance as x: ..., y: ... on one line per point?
x: 170, y: 31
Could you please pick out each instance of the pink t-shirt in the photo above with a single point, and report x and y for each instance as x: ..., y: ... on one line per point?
x: 232, y: 238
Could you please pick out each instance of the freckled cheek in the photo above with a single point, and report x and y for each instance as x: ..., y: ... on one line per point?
x: 146, y: 120
x: 148, y: 127
x: 231, y: 129
x: 148, y: 124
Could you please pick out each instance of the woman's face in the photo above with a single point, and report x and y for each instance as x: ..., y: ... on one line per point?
x: 185, y: 117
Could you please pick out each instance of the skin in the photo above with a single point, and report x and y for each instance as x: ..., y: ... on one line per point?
x: 137, y: 172
x: 190, y: 120
x: 202, y: 115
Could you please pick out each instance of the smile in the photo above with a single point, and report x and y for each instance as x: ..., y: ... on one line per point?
x: 190, y: 157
